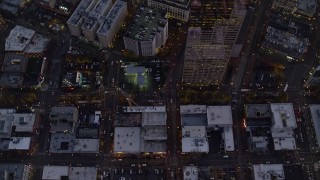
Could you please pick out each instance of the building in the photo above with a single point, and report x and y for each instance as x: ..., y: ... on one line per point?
x: 15, y: 171
x: 19, y: 143
x: 194, y: 132
x: 287, y: 37
x: 175, y: 9
x: 283, y: 124
x: 312, y: 121
x: 112, y: 24
x: 214, y: 28
x: 97, y: 21
x: 24, y: 122
x: 6, y: 119
x: 63, y: 119
x: 26, y: 41
x: 190, y: 172
x: 268, y: 172
x: 306, y: 8
x: 220, y: 117
x: 314, y: 78
x: 141, y: 129
x: 66, y: 172
x: 147, y: 33
x: 257, y: 115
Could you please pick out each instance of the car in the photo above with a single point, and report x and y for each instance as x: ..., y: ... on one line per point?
x: 144, y: 164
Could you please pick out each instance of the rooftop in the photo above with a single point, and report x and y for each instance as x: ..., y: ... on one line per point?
x: 190, y: 173
x: 193, y: 131
x: 111, y: 18
x: 82, y: 173
x: 26, y: 40
x: 86, y: 145
x: 145, y: 109
x: 288, y: 36
x: 194, y: 120
x: 154, y: 118
x: 55, y: 172
x: 307, y: 6
x: 16, y: 171
x: 228, y: 138
x: 195, y: 145
x: 80, y: 11
x: 268, y: 171
x: 284, y: 143
x: 24, y: 122
x: 154, y: 146
x: 258, y: 111
x: 182, y: 4
x: 19, y: 143
x: 99, y: 9
x: 127, y: 139
x: 315, y: 118
x: 14, y: 63
x: 193, y: 109
x: 63, y: 113
x: 219, y: 115
x: 11, y: 79
x: 145, y: 24
x: 155, y: 133
x: 128, y: 119
x: 6, y: 119
x: 62, y: 143
x: 283, y: 115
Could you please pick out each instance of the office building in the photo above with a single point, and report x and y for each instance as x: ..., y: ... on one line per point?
x: 147, y: 33
x: 314, y: 78
x: 179, y: 9
x: 312, y: 121
x: 305, y: 8
x: 214, y: 27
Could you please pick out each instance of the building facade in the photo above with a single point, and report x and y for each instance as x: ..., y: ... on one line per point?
x: 214, y: 27
x: 176, y: 9
x: 312, y: 123
x: 314, y: 79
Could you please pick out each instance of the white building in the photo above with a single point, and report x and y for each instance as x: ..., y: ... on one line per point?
x: 86, y: 145
x: 24, y: 122
x: 194, y: 139
x: 221, y: 117
x: 284, y: 122
x: 72, y: 173
x: 190, y: 172
x: 127, y: 140
x: 112, y: 23
x: 19, y: 143
x: 147, y: 33
x: 24, y: 40
x: 176, y: 9
x: 98, y: 20
x: 6, y: 119
x: 92, y: 19
x: 268, y: 172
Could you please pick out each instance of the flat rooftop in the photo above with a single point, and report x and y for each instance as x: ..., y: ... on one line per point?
x: 288, y: 36
x: 193, y: 109
x: 62, y: 143
x: 194, y: 131
x: 11, y: 79
x: 55, y: 172
x: 67, y: 113
x: 82, y: 173
x: 112, y: 17
x: 190, y: 173
x: 20, y: 143
x: 268, y: 171
x: 258, y: 111
x: 182, y: 4
x: 144, y: 109
x: 6, y: 119
x: 24, y: 122
x: 144, y: 26
x: 14, y: 63
x: 195, y: 145
x: 155, y: 146
x: 194, y: 120
x: 284, y: 144
x: 154, y: 118
x: 26, y: 40
x: 86, y: 145
x: 315, y: 118
x: 219, y: 115
x: 283, y: 115
x: 19, y: 171
x: 155, y: 133
x: 228, y: 138
x: 127, y: 139
x: 307, y: 6
x: 128, y: 119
